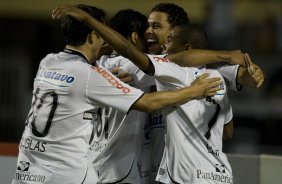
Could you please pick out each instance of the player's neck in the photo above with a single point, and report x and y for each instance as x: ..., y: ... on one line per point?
x: 77, y: 51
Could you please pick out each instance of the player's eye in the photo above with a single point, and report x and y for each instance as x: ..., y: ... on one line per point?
x: 155, y: 26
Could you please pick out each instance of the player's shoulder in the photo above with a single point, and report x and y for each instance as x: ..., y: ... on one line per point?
x: 111, y: 61
x: 158, y: 58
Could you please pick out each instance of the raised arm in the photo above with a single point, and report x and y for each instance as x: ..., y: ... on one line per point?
x: 113, y: 38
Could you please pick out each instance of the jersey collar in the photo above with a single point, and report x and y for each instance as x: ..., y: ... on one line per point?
x: 75, y: 52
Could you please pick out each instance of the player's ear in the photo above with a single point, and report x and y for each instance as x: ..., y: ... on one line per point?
x: 92, y: 36
x: 134, y: 37
x: 187, y: 46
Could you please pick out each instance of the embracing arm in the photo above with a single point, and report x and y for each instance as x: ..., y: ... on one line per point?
x: 113, y: 38
x: 249, y: 74
x: 197, y: 57
x: 200, y: 88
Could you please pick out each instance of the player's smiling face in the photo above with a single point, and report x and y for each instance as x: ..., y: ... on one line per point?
x: 157, y: 32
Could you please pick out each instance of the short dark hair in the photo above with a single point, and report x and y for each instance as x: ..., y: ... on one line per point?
x: 75, y: 32
x: 128, y: 21
x: 176, y: 15
x: 193, y: 34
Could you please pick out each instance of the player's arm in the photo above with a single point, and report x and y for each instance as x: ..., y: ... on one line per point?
x: 196, y: 57
x: 200, y: 88
x: 228, y: 131
x: 249, y: 74
x: 113, y: 38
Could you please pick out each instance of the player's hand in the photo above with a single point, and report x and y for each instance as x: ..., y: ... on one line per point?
x: 70, y: 10
x: 123, y: 76
x: 205, y: 86
x: 237, y: 58
x: 254, y: 71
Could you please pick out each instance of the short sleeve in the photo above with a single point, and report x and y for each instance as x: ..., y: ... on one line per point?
x: 103, y: 87
x: 169, y: 72
x: 229, y: 72
x: 141, y: 79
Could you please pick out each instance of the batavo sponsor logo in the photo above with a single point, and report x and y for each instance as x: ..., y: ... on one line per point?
x: 22, y: 173
x: 54, y: 78
x: 219, y: 175
x: 111, y: 79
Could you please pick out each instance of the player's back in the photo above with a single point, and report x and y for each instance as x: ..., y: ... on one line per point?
x: 56, y: 136
x: 67, y: 97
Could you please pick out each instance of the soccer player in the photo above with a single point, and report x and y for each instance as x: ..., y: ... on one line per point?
x: 125, y: 48
x: 123, y: 160
x: 162, y: 18
x: 195, y: 155
x: 68, y: 97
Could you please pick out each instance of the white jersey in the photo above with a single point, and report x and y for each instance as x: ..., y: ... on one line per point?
x: 229, y: 73
x: 116, y: 146
x: 68, y: 97
x: 193, y: 150
x: 153, y: 141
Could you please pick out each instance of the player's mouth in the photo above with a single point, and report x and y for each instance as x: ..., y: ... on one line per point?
x: 152, y: 45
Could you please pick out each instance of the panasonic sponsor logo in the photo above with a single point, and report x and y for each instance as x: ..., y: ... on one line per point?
x: 55, y: 78
x: 111, y: 79
x: 214, y: 176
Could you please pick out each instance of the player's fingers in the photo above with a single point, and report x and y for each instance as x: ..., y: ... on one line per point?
x: 259, y: 78
x: 59, y: 11
x: 203, y: 76
x: 214, y: 89
x: 126, y: 79
x: 260, y: 82
x: 247, y: 60
x: 115, y: 70
x: 124, y: 74
x: 215, y: 80
x: 211, y: 93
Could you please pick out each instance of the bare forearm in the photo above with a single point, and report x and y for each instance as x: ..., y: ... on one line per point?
x: 158, y: 100
x: 196, y: 57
